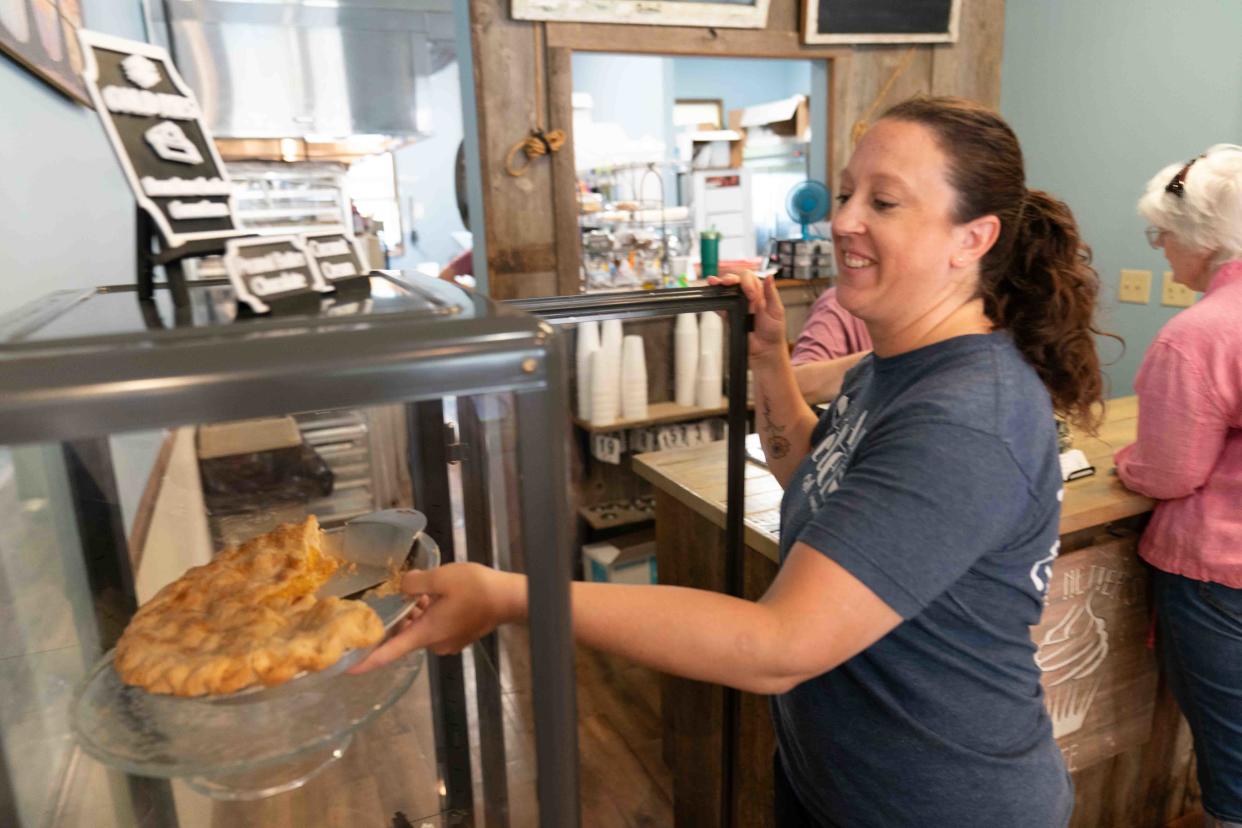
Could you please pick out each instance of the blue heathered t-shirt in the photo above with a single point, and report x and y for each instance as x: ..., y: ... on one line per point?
x: 934, y: 480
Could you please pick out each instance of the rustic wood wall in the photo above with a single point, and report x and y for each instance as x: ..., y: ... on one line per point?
x: 522, y: 80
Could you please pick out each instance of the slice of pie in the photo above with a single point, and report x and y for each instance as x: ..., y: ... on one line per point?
x: 248, y: 617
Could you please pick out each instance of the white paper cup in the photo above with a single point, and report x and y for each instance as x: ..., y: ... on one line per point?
x: 686, y: 358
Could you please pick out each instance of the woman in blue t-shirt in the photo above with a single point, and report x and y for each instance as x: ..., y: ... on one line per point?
x: 920, y: 517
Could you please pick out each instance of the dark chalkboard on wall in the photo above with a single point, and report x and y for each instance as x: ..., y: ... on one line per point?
x: 880, y: 21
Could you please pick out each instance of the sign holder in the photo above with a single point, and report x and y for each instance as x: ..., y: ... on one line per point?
x: 185, y: 202
x: 152, y: 253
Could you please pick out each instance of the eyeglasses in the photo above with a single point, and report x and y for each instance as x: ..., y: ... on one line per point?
x: 1154, y: 235
x: 1177, y: 186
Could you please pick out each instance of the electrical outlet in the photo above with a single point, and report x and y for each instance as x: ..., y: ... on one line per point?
x: 1175, y: 294
x: 1135, y: 287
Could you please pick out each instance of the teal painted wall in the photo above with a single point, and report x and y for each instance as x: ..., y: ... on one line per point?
x: 1102, y: 95
x: 68, y: 212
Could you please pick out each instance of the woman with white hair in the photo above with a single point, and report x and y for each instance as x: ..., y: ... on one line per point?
x: 1189, y: 457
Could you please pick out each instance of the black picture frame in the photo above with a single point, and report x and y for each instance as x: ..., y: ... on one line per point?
x: 848, y: 22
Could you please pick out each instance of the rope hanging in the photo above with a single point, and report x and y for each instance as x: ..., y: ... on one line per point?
x: 539, y: 142
x: 860, y: 126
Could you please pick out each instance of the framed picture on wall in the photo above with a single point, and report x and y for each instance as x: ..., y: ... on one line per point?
x: 880, y: 21
x: 42, y: 35
x: 735, y: 14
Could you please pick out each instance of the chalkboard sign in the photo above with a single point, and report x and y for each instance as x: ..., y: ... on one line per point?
x: 339, y: 261
x: 880, y: 21
x: 273, y: 273
x: 157, y: 131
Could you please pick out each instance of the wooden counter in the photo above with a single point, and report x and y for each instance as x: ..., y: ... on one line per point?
x: 697, y: 478
x: 1128, y: 749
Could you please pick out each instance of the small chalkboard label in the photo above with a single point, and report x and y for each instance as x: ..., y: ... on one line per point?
x: 160, y: 138
x: 273, y: 273
x: 881, y: 21
x: 338, y: 260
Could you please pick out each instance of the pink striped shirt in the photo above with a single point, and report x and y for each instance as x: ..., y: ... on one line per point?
x: 1189, y: 449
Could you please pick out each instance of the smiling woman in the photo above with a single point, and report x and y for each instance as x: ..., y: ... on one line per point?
x: 895, y: 640
x: 1034, y: 275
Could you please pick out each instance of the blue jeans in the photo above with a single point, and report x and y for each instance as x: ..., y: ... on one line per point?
x: 1200, y: 643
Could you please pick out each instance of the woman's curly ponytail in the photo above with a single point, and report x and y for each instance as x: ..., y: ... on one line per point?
x: 1036, y: 281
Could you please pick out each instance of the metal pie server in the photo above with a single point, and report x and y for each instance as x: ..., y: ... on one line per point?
x: 373, y: 547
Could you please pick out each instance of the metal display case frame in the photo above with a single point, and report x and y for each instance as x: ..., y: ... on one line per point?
x: 647, y: 304
x: 78, y: 388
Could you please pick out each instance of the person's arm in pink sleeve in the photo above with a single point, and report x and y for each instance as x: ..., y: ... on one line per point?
x: 825, y: 335
x: 1181, y: 431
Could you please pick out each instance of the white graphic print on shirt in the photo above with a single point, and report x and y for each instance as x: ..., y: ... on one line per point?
x: 1041, y: 572
x: 832, y: 456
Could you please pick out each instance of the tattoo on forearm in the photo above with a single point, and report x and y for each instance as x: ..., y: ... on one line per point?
x: 777, y: 443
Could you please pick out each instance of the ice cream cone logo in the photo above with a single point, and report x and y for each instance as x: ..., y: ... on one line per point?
x: 1070, y: 655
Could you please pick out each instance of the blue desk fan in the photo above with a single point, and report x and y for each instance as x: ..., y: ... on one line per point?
x: 808, y: 203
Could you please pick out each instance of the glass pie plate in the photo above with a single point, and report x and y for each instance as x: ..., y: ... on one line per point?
x: 247, y: 746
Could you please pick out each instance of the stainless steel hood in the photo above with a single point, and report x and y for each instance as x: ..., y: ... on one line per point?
x: 308, y: 68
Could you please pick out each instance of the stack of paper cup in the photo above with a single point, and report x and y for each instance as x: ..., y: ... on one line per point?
x: 610, y: 336
x: 633, y: 379
x: 588, y: 343
x: 708, y: 388
x: 605, y: 385
x: 686, y: 358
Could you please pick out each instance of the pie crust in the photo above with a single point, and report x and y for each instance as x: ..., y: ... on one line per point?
x: 248, y: 617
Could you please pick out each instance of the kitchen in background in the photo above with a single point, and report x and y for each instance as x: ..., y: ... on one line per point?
x: 667, y: 147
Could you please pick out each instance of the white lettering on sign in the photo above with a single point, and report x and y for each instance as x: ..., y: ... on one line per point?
x: 337, y: 270
x: 129, y: 101
x: 197, y: 209
x: 273, y: 261
x: 337, y: 247
x: 140, y: 70
x: 171, y: 143
x: 1125, y: 587
x: 281, y: 282
x: 200, y: 186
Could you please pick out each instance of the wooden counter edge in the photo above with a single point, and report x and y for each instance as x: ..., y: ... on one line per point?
x: 1113, y: 502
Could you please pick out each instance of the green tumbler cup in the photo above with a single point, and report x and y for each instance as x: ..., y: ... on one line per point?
x: 709, y: 252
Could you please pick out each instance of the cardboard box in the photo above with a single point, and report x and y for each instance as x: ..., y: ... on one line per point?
x: 627, y: 559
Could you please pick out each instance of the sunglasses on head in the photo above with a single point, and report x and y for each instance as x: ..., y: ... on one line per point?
x: 1177, y: 185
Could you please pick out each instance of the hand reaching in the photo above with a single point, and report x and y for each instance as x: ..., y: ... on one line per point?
x: 768, y: 337
x: 460, y: 603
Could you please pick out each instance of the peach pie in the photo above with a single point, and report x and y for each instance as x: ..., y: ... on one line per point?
x: 248, y: 617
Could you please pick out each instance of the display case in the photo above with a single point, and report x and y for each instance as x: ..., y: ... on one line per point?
x: 136, y: 438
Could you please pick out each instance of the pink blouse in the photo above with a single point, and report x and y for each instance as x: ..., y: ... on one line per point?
x: 1189, y: 449
x: 830, y: 332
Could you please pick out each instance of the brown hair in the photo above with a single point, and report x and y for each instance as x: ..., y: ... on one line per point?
x: 1036, y: 281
